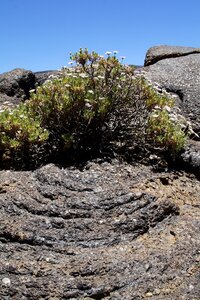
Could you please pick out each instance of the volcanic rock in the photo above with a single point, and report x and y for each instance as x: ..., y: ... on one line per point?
x: 157, y: 53
x: 177, y: 70
x: 42, y: 76
x: 15, y: 85
x: 107, y: 231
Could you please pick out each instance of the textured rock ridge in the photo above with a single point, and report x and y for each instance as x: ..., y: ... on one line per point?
x: 156, y: 53
x: 108, y: 231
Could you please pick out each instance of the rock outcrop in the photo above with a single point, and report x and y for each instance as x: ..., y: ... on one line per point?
x: 157, y: 53
x: 15, y: 85
x: 177, y: 70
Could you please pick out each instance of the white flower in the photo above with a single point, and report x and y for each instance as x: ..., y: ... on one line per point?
x: 88, y: 105
x: 173, y: 118
x: 167, y: 108
x: 100, y: 77
x: 52, y: 76
x: 91, y: 92
x: 47, y: 82
x: 154, y: 115
x: 108, y: 53
x: 123, y: 57
x: 83, y: 75
x: 115, y: 52
x: 70, y: 63
x: 157, y: 107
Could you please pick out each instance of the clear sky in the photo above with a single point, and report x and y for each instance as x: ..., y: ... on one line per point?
x: 39, y: 34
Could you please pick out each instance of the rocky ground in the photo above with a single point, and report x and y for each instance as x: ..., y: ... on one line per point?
x: 109, y: 231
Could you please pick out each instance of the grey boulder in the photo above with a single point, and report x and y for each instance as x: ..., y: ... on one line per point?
x: 15, y: 85
x: 177, y: 70
x: 157, y: 53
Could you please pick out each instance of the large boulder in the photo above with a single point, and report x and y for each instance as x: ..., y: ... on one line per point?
x: 157, y: 53
x: 177, y: 70
x: 15, y: 85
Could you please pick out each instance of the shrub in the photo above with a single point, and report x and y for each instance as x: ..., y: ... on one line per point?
x: 97, y: 104
x: 85, y: 107
x: 164, y: 133
x: 20, y: 134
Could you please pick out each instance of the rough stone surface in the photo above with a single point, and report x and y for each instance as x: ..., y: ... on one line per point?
x: 15, y: 85
x: 190, y: 158
x: 179, y: 75
x: 108, y: 231
x: 42, y: 76
x: 157, y: 53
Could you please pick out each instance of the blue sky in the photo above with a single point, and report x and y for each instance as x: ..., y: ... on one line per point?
x: 39, y: 34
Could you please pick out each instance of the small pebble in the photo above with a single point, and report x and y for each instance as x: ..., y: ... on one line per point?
x: 138, y: 194
x: 148, y: 267
x: 191, y: 287
x: 149, y: 294
x: 157, y: 292
x: 47, y: 259
x: 6, y: 281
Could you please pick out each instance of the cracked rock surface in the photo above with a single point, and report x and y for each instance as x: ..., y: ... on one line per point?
x: 108, y: 231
